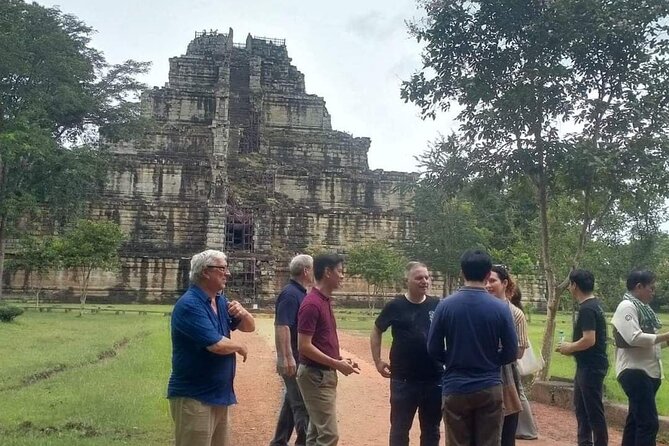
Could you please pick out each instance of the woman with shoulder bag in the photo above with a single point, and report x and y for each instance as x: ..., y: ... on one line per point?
x: 528, y: 365
x: 501, y: 286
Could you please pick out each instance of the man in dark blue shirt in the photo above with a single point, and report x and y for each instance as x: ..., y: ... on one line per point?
x: 473, y: 335
x: 203, y: 354
x: 293, y: 414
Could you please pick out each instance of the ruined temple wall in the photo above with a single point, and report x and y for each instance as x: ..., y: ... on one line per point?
x: 316, y: 151
x: 369, y: 193
x: 153, y: 228
x: 193, y: 73
x: 301, y: 230
x: 139, y: 279
x: 234, y: 131
x: 177, y: 106
x: 303, y: 111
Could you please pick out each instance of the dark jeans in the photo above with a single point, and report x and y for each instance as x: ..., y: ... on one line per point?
x: 592, y: 430
x: 642, y: 424
x: 293, y: 415
x: 407, y: 397
x: 509, y: 429
x: 474, y: 418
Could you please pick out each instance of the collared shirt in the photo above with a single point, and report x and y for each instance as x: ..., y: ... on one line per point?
x: 316, y: 318
x: 472, y: 334
x: 287, y: 305
x: 196, y: 372
x: 643, y: 354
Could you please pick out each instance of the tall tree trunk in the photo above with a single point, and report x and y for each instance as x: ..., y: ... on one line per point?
x: 549, y: 276
x: 82, y: 299
x: 3, y: 221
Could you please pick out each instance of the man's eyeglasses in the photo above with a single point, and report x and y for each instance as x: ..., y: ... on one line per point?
x: 222, y: 268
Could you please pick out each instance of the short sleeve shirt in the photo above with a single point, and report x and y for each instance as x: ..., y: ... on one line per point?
x: 196, y: 372
x: 410, y: 323
x: 591, y: 318
x: 520, y: 323
x: 287, y: 306
x: 316, y: 318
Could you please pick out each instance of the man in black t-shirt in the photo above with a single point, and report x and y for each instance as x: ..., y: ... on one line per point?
x: 589, y: 350
x: 415, y: 378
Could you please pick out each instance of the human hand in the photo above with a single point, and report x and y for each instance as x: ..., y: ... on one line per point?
x: 383, y: 368
x: 243, y: 352
x: 287, y: 367
x: 236, y: 310
x: 564, y: 348
x: 347, y: 366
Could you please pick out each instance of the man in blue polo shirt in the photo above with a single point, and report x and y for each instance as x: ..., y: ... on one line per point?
x: 293, y: 414
x: 473, y: 335
x: 203, y: 354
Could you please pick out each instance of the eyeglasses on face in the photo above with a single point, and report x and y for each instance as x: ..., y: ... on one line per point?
x: 222, y: 268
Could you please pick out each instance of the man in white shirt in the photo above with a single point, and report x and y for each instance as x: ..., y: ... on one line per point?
x: 638, y: 357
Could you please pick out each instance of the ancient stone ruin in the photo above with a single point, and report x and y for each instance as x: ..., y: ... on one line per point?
x: 242, y: 159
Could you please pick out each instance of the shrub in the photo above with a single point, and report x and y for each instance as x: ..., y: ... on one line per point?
x: 9, y: 312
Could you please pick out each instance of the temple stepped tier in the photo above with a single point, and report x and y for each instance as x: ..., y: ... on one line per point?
x: 240, y: 158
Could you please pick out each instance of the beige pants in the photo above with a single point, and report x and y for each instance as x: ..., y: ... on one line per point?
x: 319, y: 391
x: 198, y: 424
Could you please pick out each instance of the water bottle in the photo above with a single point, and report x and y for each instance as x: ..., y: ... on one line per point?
x: 560, y: 337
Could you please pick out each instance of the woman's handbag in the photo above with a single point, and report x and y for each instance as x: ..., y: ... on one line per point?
x: 530, y: 363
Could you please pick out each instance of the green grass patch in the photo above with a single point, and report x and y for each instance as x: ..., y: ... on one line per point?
x: 93, y: 380
x: 100, y: 379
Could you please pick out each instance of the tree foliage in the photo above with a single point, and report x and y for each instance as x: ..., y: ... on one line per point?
x: 445, y: 228
x: 58, y: 96
x: 82, y: 248
x: 572, y: 95
x: 378, y: 264
x: 87, y: 246
x: 36, y: 257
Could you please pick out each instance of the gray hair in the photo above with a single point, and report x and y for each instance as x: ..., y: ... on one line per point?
x: 299, y: 263
x: 200, y: 261
x: 412, y: 266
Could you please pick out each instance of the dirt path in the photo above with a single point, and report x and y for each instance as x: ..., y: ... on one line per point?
x: 362, y: 405
x: 258, y: 389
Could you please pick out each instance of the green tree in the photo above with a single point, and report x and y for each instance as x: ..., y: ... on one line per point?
x: 90, y: 245
x: 378, y: 264
x: 570, y: 94
x: 36, y: 257
x: 58, y: 98
x: 445, y: 228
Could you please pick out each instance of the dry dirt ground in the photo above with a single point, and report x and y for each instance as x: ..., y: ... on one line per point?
x: 362, y: 404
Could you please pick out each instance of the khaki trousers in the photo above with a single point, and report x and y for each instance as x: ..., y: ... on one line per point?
x: 198, y: 424
x: 319, y: 391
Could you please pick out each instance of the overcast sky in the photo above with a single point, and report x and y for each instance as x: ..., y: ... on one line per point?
x: 353, y: 53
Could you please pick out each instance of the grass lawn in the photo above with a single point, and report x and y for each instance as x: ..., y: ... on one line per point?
x: 360, y: 322
x: 106, y: 373
x: 100, y: 379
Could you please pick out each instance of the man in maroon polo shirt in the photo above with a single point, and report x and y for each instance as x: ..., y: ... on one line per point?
x: 318, y: 345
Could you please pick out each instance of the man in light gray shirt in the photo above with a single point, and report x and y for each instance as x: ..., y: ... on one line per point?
x: 638, y: 360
